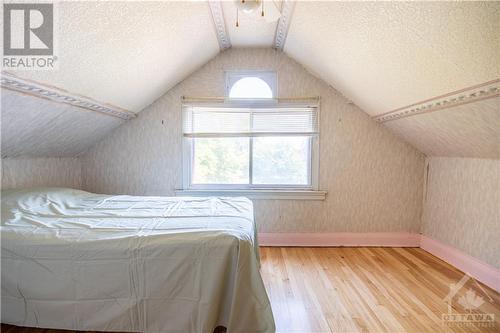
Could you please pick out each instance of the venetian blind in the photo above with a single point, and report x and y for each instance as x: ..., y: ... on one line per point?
x: 203, y: 121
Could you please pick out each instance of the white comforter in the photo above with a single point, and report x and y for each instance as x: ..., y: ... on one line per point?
x: 77, y: 260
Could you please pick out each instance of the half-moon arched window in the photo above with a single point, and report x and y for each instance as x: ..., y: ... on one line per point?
x: 250, y: 87
x: 255, y: 84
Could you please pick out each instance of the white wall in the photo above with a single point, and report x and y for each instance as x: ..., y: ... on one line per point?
x: 374, y: 180
x: 41, y: 172
x: 462, y: 206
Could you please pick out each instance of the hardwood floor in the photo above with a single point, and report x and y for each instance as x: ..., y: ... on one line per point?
x: 364, y: 290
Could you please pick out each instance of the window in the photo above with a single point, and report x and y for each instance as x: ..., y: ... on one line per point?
x: 250, y: 141
x: 251, y: 84
x: 250, y: 87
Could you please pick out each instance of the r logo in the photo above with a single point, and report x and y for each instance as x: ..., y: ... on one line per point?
x: 28, y: 29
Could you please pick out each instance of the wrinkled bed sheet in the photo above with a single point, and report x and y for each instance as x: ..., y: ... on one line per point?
x: 78, y: 260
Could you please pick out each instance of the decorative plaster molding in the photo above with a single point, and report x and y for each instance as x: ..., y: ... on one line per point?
x: 472, y: 94
x: 287, y: 8
x: 219, y: 24
x: 12, y: 82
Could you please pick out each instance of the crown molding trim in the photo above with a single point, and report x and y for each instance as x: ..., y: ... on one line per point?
x: 39, y: 90
x: 490, y: 89
x: 219, y: 24
x: 281, y: 33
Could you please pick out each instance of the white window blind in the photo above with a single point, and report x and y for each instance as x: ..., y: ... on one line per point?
x: 203, y: 121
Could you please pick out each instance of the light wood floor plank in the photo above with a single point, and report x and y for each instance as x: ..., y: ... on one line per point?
x: 360, y: 290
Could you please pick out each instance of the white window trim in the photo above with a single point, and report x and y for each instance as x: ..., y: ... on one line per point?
x: 271, y: 78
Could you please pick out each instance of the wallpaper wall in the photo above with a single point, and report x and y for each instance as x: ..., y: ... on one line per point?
x: 462, y: 205
x: 374, y: 180
x: 36, y: 172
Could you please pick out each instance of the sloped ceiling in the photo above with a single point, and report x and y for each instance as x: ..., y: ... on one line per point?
x: 385, y: 55
x: 128, y: 53
x: 381, y: 55
x: 471, y: 130
x: 37, y: 127
x: 125, y: 54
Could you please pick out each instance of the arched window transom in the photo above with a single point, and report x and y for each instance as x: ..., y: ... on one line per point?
x: 250, y: 87
x: 250, y: 84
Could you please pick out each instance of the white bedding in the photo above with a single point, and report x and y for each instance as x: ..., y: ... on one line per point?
x: 77, y: 260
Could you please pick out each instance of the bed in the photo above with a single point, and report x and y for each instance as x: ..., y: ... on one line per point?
x: 82, y: 261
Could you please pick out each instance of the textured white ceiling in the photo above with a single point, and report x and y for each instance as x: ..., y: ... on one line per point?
x: 38, y: 127
x: 470, y: 130
x: 128, y: 53
x: 252, y: 31
x: 385, y: 55
x: 381, y: 55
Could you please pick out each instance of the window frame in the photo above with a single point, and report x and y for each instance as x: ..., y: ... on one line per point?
x: 313, y: 158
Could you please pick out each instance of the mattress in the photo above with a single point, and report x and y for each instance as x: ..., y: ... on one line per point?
x: 77, y: 260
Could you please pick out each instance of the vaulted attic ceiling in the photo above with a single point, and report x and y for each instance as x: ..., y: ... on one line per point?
x: 383, y: 56
x: 128, y: 53
x: 38, y: 127
x: 386, y: 55
x: 470, y: 130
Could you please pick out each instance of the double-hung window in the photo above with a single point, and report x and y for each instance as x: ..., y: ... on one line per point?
x: 250, y: 141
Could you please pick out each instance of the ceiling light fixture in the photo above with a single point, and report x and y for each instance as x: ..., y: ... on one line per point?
x: 247, y: 6
x: 250, y: 9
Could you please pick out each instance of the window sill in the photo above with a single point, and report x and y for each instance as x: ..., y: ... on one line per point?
x: 258, y: 194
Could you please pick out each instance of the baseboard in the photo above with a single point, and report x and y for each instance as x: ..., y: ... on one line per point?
x: 389, y: 239
x: 476, y: 268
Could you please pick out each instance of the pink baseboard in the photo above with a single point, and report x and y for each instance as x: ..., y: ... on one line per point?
x: 476, y: 268
x: 393, y: 239
x: 481, y: 271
